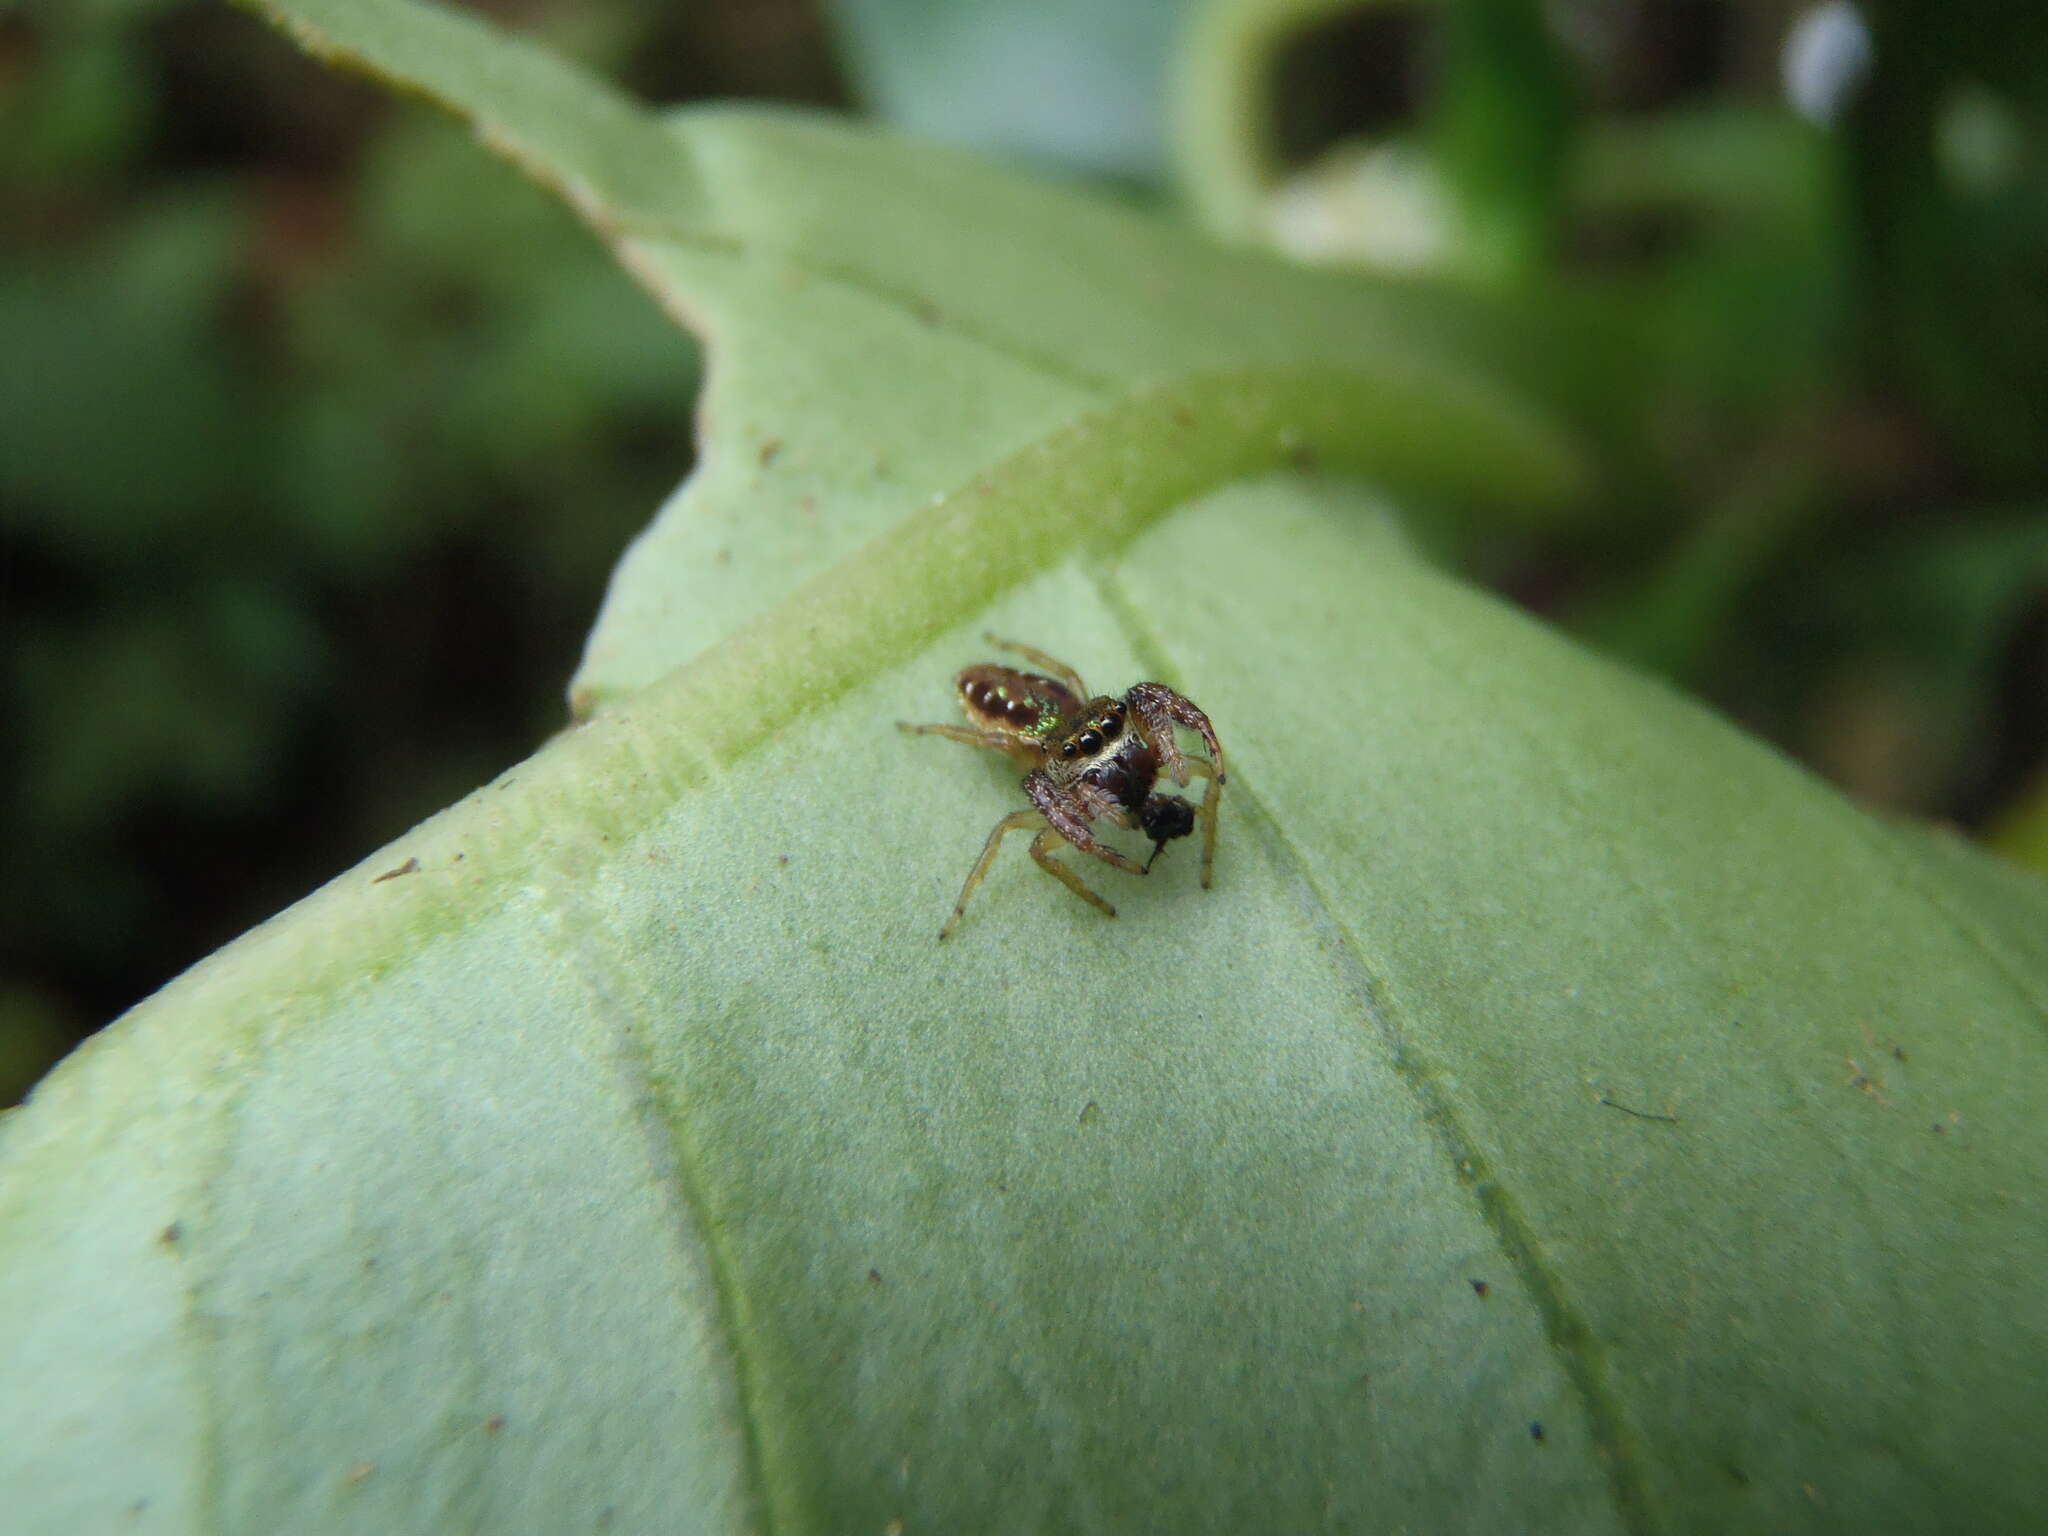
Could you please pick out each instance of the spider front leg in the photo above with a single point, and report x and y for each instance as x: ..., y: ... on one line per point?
x: 1159, y: 709
x: 1066, y: 815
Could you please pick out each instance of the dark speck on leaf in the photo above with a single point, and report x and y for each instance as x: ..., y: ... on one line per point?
x: 874, y: 1277
x: 1536, y: 1430
x: 409, y: 867
x: 1480, y: 1288
x: 171, y: 1234
x: 769, y: 449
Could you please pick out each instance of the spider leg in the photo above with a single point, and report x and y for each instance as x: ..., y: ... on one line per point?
x: 1009, y: 823
x: 1206, y: 814
x: 967, y: 735
x: 1059, y: 671
x: 1041, y: 850
x: 1067, y: 816
x: 1159, y: 709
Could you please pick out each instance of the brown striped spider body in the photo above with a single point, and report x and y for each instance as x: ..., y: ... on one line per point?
x: 1090, y: 758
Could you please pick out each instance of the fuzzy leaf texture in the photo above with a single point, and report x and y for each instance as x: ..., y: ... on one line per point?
x: 1563, y: 1114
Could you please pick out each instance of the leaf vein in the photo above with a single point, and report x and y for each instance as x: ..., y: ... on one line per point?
x: 1570, y: 1338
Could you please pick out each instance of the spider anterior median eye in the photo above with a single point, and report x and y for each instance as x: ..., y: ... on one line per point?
x: 1110, y: 727
x: 1090, y: 742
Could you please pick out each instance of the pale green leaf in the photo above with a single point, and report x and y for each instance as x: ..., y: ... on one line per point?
x: 892, y: 325
x: 620, y: 1149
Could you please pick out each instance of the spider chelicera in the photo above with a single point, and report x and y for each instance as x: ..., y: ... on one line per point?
x: 1090, y: 758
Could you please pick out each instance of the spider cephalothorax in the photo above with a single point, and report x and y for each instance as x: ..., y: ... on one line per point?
x: 1090, y: 759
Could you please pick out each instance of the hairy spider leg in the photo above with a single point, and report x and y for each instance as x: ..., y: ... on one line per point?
x: 1041, y: 853
x: 1160, y: 709
x: 1203, y: 768
x: 1009, y: 823
x: 1069, y: 816
x: 1024, y: 751
x: 1041, y: 850
x: 1059, y: 671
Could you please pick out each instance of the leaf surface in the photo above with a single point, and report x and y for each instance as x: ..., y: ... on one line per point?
x: 1562, y: 1115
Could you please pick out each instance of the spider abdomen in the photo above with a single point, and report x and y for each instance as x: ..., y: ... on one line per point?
x: 1004, y: 699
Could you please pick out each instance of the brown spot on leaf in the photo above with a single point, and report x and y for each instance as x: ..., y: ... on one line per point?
x: 409, y: 867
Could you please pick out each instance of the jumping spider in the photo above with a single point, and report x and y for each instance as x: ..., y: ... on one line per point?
x: 1092, y: 758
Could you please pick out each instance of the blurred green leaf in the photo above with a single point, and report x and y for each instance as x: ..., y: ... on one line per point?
x: 1937, y: 609
x: 121, y: 422
x: 1504, y: 130
x: 1473, y: 183
x: 2022, y: 832
x: 1227, y: 151
x: 1950, y: 174
x: 1563, y: 1115
x: 478, y: 344
x: 75, y: 118
x: 1066, y: 83
x: 32, y: 1035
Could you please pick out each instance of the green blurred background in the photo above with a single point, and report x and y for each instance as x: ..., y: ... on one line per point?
x: 320, y: 430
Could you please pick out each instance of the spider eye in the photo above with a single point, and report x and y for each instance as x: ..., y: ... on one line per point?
x: 1068, y: 749
x: 1110, y: 726
x: 1090, y: 742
